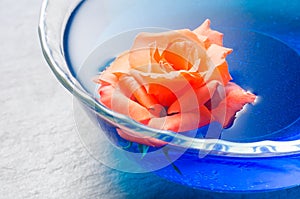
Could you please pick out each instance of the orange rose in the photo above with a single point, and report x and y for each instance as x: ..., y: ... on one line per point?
x: 175, y: 80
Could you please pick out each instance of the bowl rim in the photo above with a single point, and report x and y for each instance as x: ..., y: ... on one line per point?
x: 51, y: 29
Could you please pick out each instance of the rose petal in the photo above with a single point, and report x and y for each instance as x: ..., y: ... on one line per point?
x: 129, y: 86
x: 218, y: 54
x: 177, y: 122
x: 205, y: 116
x: 214, y: 37
x: 155, y: 68
x: 183, y: 55
x: 177, y: 62
x: 167, y: 86
x: 193, y: 99
x: 139, y: 138
x: 220, y: 70
x: 163, y: 94
x: 194, y: 79
x: 182, y: 121
x: 118, y: 102
x: 204, y: 40
x: 107, y: 78
x: 120, y: 65
x: 147, y: 46
x: 235, y: 100
x: 106, y: 93
x: 219, y: 73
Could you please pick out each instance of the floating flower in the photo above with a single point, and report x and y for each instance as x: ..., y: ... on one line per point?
x: 176, y: 80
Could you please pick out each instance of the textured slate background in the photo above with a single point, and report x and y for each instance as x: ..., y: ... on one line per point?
x: 41, y: 155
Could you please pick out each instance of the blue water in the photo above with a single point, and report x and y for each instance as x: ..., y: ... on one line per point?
x: 265, y: 38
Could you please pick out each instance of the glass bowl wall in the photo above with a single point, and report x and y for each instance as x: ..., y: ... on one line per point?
x: 70, y: 30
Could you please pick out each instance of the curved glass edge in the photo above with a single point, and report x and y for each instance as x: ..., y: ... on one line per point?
x: 53, y: 19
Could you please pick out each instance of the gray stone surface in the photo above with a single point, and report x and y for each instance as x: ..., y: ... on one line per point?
x: 41, y: 155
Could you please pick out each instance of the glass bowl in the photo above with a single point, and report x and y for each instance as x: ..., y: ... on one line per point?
x: 260, y: 152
